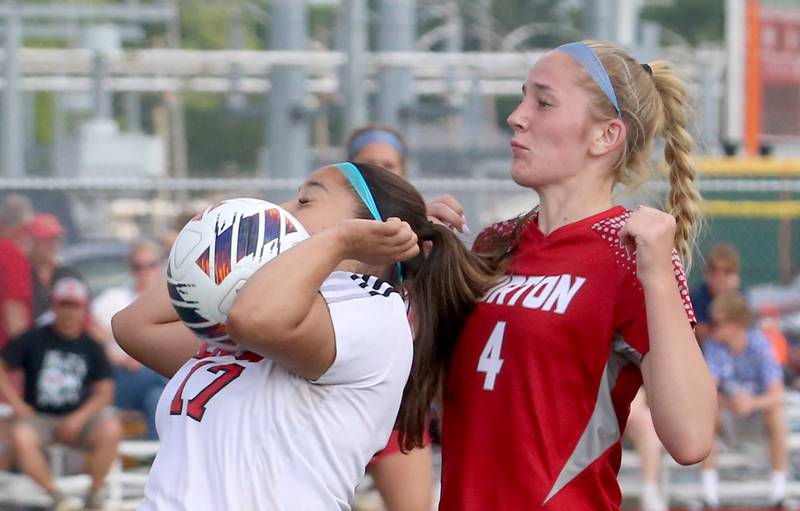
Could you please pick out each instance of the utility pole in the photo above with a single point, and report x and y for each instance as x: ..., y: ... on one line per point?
x: 396, y: 32
x: 287, y: 126
x: 13, y: 164
x: 353, y: 23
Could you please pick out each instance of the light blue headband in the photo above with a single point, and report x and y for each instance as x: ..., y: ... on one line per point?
x: 377, y: 135
x: 358, y: 183
x: 583, y: 55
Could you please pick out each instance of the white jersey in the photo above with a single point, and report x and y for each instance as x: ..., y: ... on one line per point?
x: 242, y: 433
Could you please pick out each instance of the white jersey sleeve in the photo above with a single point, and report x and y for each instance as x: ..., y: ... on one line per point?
x: 371, y: 329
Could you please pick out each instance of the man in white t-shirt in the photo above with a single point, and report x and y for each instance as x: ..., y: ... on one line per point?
x: 137, y: 387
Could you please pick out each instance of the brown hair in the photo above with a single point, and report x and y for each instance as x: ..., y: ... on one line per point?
x: 733, y: 306
x: 443, y: 283
x: 15, y: 210
x: 722, y: 253
x: 651, y: 105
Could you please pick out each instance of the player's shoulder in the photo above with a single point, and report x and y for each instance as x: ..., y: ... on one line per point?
x: 485, y: 240
x: 342, y: 286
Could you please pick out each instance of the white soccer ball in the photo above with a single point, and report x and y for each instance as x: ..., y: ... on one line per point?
x: 215, y: 254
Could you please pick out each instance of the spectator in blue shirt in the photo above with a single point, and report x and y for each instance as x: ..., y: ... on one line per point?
x: 721, y: 274
x: 750, y: 383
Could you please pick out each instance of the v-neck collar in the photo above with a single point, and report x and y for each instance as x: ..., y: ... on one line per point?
x: 534, y: 231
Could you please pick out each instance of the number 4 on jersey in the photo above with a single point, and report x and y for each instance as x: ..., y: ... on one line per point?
x: 490, y: 361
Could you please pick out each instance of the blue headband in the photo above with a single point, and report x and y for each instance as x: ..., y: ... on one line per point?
x: 583, y: 55
x: 372, y: 136
x: 358, y: 183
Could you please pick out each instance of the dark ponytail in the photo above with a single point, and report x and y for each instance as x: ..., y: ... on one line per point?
x: 443, y: 283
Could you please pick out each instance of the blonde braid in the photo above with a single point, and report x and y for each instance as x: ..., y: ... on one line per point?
x: 683, y: 198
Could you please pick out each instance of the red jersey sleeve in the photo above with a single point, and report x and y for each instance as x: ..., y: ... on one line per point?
x: 633, y: 327
x: 487, y: 238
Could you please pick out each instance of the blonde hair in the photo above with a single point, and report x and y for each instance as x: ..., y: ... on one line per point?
x: 733, y: 306
x: 651, y: 105
x: 722, y: 253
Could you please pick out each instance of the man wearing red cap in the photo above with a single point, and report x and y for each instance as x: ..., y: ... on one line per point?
x: 68, y: 392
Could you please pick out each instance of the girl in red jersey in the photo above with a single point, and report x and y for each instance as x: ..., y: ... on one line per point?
x: 403, y: 479
x: 595, y: 302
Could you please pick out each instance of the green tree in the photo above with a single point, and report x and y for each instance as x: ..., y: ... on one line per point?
x: 696, y: 21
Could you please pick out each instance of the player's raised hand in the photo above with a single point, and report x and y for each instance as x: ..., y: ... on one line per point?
x: 446, y: 210
x: 650, y: 234
x: 378, y: 243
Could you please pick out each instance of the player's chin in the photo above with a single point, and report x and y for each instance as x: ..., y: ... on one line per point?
x: 521, y: 173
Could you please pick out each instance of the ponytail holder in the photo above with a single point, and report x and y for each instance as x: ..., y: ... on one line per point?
x: 648, y: 69
x: 361, y: 187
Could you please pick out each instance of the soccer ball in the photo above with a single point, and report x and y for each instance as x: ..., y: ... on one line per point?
x: 215, y: 254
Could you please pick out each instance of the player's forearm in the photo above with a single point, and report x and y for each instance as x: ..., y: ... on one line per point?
x: 150, y: 331
x: 680, y: 389
x: 278, y: 297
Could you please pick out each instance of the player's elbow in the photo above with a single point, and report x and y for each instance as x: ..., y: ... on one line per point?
x: 121, y: 328
x: 692, y: 449
x: 248, y: 326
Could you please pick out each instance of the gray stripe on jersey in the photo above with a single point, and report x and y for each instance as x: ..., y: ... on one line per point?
x: 626, y: 351
x: 602, y: 431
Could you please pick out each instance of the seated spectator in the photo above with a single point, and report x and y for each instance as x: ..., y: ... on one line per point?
x: 750, y: 383
x: 16, y: 294
x: 641, y: 432
x: 48, y: 236
x: 68, y: 393
x: 721, y: 274
x: 137, y: 387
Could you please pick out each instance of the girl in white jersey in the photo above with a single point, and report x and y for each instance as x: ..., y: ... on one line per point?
x: 291, y: 423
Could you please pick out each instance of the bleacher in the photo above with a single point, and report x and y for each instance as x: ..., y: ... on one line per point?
x: 744, y: 473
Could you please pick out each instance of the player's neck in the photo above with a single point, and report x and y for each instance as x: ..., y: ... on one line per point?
x: 562, y: 205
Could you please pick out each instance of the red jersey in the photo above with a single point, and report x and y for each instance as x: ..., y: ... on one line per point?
x: 539, y: 388
x: 15, y: 280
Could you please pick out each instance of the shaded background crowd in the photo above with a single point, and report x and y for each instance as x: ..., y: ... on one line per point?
x: 122, y: 119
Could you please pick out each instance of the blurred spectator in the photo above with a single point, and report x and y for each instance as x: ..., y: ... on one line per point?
x: 137, y: 387
x: 641, y: 432
x: 771, y: 328
x: 16, y: 295
x: 68, y: 393
x: 15, y: 210
x: 720, y: 275
x: 381, y: 146
x: 168, y: 235
x: 750, y: 383
x: 47, y: 234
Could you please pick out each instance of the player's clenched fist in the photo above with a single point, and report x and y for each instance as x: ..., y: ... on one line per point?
x: 377, y: 243
x: 650, y: 234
